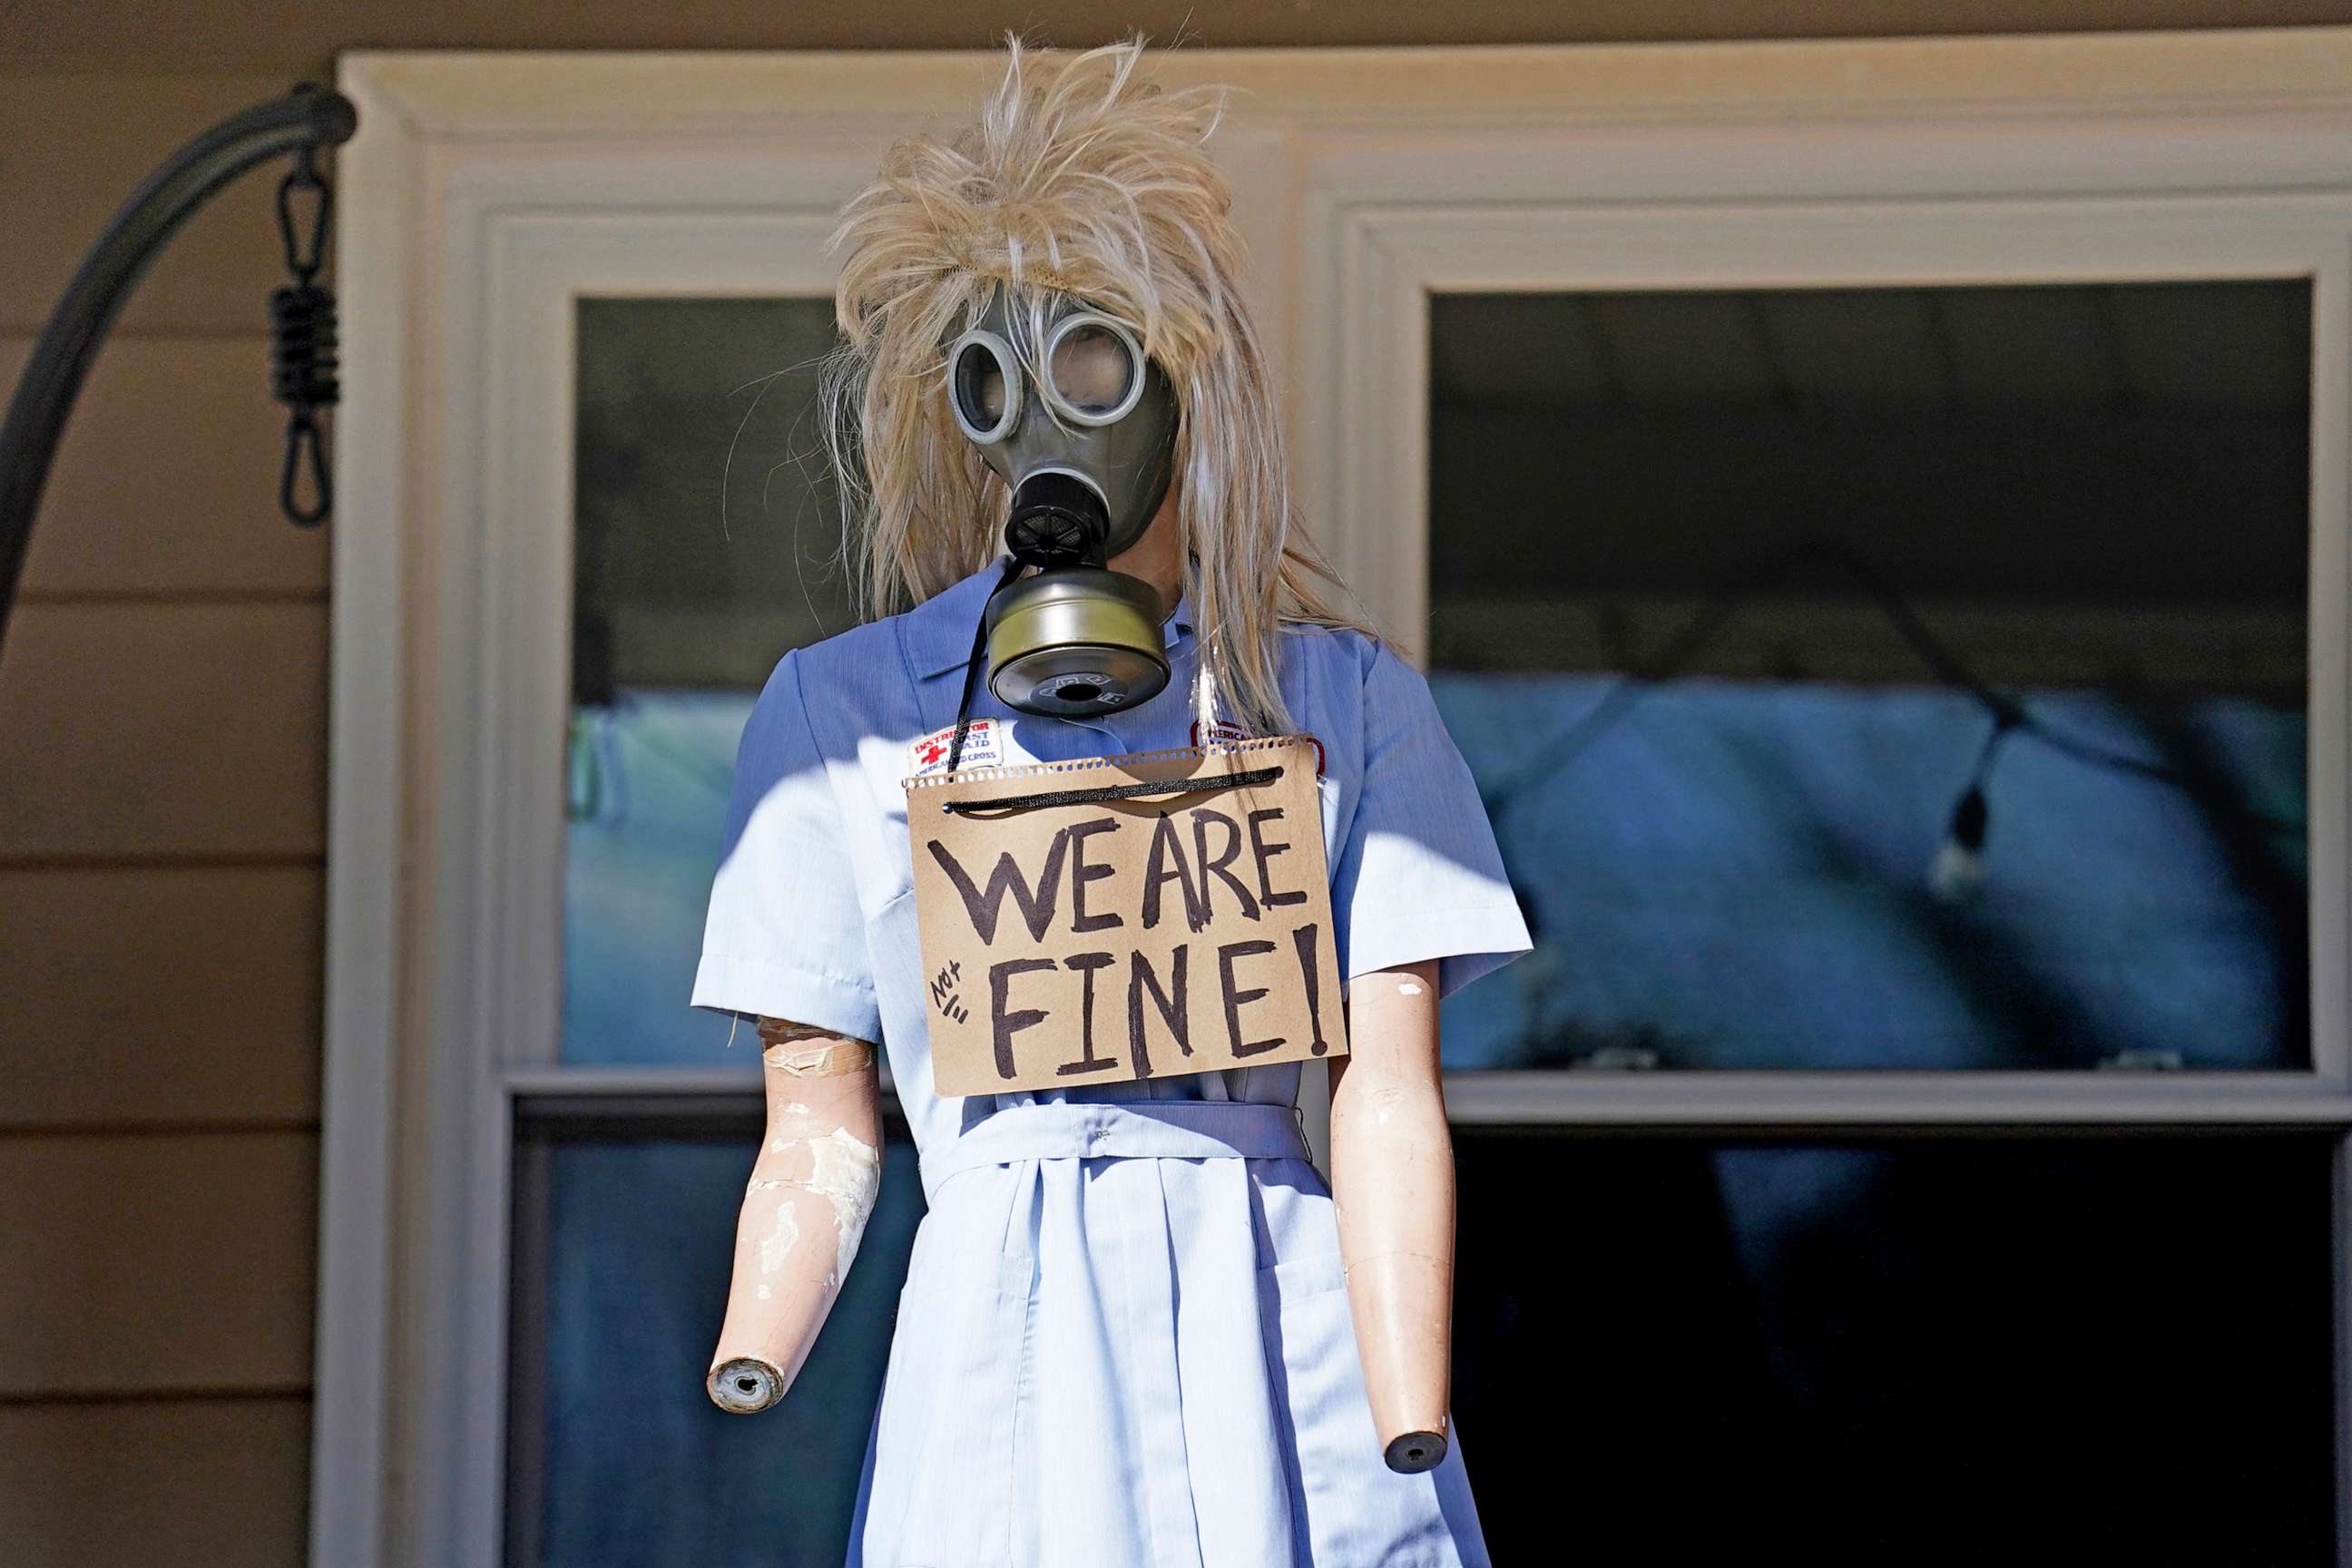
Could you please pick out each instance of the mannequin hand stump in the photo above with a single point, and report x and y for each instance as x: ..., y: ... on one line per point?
x: 746, y: 1385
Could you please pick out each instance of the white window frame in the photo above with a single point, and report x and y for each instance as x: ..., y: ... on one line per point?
x: 485, y: 194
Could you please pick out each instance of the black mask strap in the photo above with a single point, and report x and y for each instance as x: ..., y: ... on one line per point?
x: 1012, y: 566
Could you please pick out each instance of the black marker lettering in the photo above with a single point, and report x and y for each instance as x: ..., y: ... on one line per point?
x: 1003, y: 1025
x: 1081, y: 874
x: 1202, y: 817
x: 1086, y: 963
x: 1304, y: 940
x: 1170, y: 1003
x: 1235, y: 1000
x: 1166, y: 846
x: 1264, y: 852
x: 1037, y: 906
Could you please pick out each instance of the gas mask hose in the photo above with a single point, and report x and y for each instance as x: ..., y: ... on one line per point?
x: 971, y: 666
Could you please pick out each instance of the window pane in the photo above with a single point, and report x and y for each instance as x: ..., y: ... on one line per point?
x: 1964, y: 1351
x: 623, y: 1248
x: 1731, y: 594
x: 705, y: 528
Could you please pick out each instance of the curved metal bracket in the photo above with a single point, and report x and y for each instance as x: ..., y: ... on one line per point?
x: 311, y: 116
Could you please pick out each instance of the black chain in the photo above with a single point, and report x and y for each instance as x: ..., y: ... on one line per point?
x: 303, y: 339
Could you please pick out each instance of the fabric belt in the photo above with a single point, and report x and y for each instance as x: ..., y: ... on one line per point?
x: 1145, y: 1130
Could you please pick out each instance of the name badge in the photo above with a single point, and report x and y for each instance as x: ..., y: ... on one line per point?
x: 1124, y: 918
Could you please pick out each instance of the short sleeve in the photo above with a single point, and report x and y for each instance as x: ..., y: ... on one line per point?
x: 1419, y: 875
x: 785, y: 935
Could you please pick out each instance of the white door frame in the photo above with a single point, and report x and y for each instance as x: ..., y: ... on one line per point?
x: 483, y: 193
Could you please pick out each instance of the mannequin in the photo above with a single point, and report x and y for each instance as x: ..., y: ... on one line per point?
x: 1392, y: 1180
x: 1138, y: 1327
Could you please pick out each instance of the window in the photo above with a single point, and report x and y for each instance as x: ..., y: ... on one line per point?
x: 1735, y: 596
x: 1908, y: 677
x: 624, y: 1226
x: 704, y: 547
x: 707, y: 544
x: 1857, y: 1186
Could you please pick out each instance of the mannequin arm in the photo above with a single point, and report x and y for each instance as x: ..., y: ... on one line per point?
x: 804, y: 1209
x: 1392, y: 1185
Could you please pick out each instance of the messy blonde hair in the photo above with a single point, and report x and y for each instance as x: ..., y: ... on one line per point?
x: 1090, y: 182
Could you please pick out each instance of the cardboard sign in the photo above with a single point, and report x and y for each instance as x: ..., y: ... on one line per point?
x: 1132, y: 917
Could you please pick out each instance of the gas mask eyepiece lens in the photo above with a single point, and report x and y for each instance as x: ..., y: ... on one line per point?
x: 1094, y: 368
x: 984, y: 386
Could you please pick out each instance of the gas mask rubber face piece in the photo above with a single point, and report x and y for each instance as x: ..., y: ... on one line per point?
x: 1082, y: 429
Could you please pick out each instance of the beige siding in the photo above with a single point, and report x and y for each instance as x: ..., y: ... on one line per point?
x: 167, y: 482
x: 177, y: 1263
x: 162, y: 708
x: 79, y: 144
x: 163, y: 997
x: 216, y: 1483
x: 164, y: 731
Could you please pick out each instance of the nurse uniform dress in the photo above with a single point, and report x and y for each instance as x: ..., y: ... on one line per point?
x: 1124, y: 1340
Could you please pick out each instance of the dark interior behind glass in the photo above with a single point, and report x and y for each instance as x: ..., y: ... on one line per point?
x: 1957, y: 1351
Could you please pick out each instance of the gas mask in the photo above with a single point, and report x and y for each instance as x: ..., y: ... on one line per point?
x: 1084, y: 431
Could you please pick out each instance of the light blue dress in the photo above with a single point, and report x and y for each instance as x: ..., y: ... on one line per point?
x: 1124, y: 1340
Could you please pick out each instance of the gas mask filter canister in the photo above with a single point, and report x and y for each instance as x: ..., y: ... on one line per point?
x: 1087, y: 445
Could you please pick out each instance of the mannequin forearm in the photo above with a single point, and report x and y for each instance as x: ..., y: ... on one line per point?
x: 1392, y: 1185
x: 804, y: 1210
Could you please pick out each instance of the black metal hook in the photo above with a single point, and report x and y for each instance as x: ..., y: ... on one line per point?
x: 310, y: 116
x: 305, y: 176
x: 303, y: 337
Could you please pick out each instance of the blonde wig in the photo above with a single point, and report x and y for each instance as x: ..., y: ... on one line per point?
x: 1082, y: 180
